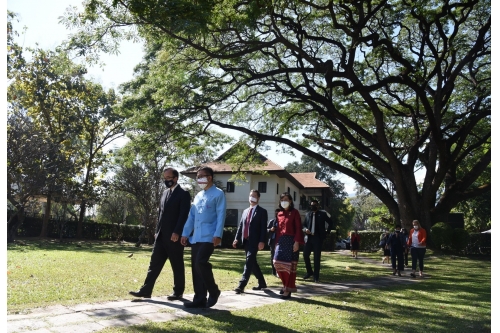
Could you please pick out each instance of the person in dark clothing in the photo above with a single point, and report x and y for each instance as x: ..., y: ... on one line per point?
x: 174, y: 209
x: 251, y: 234
x: 406, y: 251
x: 316, y: 226
x: 397, y: 244
x: 387, y: 252
x: 271, y: 231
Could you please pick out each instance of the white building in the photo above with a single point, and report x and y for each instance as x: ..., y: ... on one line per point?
x: 301, y: 186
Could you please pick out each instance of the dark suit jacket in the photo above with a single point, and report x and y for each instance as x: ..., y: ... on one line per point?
x: 258, y: 226
x: 272, y: 234
x: 173, y: 214
x: 321, y: 218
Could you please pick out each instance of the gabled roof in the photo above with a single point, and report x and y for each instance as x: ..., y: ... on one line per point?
x: 220, y: 166
x: 308, y: 180
x: 301, y: 180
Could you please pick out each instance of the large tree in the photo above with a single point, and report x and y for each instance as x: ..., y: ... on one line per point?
x: 386, y: 87
x: 73, y: 113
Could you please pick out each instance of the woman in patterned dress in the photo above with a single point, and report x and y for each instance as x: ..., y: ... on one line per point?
x: 288, y: 238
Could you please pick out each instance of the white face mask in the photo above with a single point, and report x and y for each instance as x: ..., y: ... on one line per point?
x: 285, y: 204
x: 252, y: 199
x: 202, y: 182
x: 415, y: 227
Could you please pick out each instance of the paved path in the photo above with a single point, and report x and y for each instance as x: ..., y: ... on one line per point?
x: 84, y: 318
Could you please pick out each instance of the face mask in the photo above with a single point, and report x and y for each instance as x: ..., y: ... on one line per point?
x: 398, y: 231
x: 314, y: 208
x: 202, y: 182
x: 252, y: 199
x: 169, y: 183
x: 415, y: 227
x: 285, y: 204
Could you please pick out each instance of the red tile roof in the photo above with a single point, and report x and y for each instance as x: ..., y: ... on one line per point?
x: 308, y: 180
x: 302, y: 180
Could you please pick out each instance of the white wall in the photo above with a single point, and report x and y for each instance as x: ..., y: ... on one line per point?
x: 269, y: 200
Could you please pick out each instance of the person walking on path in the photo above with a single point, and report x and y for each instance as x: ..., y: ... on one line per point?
x: 173, y: 212
x: 251, y: 232
x: 406, y: 251
x: 387, y: 252
x: 315, y: 228
x: 204, y: 227
x: 272, y: 225
x: 396, y: 244
x: 417, y: 242
x: 288, y: 238
x: 355, y: 242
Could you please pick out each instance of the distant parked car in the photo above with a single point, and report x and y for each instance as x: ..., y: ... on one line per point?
x: 340, y: 245
x: 343, y: 244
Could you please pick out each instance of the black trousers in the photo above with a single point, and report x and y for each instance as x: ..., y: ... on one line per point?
x: 313, y: 244
x: 164, y: 249
x: 272, y: 247
x: 417, y: 253
x: 251, y: 266
x: 397, y: 255
x: 203, y: 277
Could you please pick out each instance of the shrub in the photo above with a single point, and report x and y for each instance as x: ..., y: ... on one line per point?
x: 460, y: 239
x: 441, y: 234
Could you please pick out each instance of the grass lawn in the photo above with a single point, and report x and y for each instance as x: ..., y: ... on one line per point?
x: 455, y: 298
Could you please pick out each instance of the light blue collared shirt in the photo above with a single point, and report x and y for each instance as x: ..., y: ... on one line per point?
x: 206, y: 216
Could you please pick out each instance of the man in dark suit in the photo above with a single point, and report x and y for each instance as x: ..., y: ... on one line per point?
x: 252, y: 233
x: 315, y: 228
x: 173, y: 212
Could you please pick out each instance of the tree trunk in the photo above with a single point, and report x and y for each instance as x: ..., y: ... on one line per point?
x: 46, y: 217
x: 79, y: 230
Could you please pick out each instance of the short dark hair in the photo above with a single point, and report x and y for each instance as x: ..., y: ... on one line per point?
x: 398, y: 226
x: 174, y: 171
x: 286, y: 194
x: 256, y: 191
x: 207, y: 169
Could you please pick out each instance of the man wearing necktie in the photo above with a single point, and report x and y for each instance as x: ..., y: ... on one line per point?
x: 252, y: 233
x: 173, y: 212
x: 315, y: 227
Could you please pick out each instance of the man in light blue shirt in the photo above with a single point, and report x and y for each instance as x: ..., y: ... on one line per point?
x: 204, y: 227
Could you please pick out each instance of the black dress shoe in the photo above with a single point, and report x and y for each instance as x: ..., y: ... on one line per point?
x: 307, y: 276
x: 139, y: 294
x: 286, y: 297
x: 281, y: 291
x: 212, y: 299
x: 259, y: 287
x: 174, y: 297
x: 238, y: 290
x: 193, y: 305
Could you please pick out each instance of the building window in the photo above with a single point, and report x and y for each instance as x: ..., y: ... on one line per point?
x: 262, y: 187
x: 294, y: 196
x: 277, y: 188
x: 230, y: 187
x: 231, y: 218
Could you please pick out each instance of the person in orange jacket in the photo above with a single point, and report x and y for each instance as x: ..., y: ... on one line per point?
x: 417, y: 243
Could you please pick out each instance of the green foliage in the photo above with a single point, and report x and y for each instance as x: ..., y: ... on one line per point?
x: 459, y: 239
x: 441, y: 234
x: 375, y: 88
